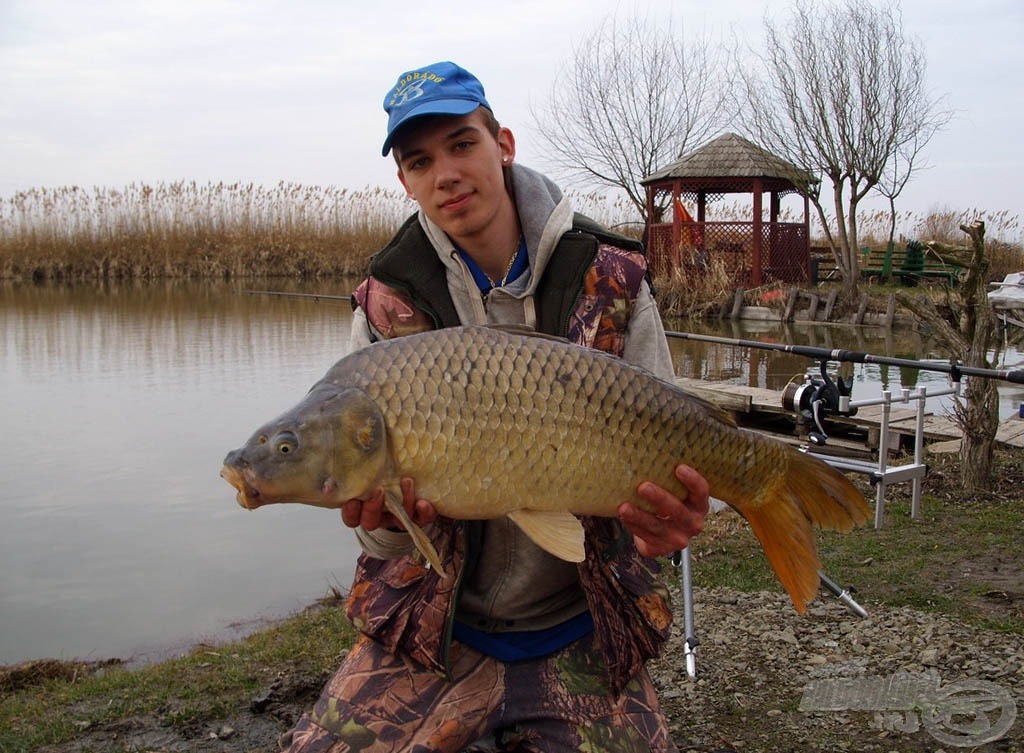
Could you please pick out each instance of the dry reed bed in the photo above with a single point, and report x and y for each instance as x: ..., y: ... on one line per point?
x: 244, y: 230
x: 194, y: 230
x: 222, y: 230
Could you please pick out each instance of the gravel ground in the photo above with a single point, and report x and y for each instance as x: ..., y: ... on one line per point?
x: 765, y: 676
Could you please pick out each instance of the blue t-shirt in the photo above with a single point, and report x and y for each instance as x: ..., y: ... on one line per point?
x: 519, y: 265
x: 519, y: 645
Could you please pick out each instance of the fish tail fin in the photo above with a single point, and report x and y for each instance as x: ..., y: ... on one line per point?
x: 809, y: 494
x: 419, y: 538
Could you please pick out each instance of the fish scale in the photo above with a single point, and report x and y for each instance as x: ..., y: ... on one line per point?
x: 491, y: 422
x: 557, y: 416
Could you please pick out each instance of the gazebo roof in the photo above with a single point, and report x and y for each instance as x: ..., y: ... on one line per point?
x: 729, y: 156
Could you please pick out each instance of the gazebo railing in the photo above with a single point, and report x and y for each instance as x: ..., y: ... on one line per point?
x: 785, y: 253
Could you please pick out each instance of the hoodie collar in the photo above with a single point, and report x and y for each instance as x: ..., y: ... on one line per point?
x: 544, y: 216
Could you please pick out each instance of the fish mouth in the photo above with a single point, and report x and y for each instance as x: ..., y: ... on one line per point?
x: 249, y: 495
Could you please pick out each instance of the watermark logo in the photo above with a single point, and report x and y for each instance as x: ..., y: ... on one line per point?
x: 961, y: 714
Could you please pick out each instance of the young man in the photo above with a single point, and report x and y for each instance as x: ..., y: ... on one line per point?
x: 515, y: 649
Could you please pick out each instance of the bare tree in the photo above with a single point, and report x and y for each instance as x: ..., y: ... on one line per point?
x: 840, y: 92
x: 967, y: 326
x: 905, y: 163
x: 892, y: 183
x: 634, y: 96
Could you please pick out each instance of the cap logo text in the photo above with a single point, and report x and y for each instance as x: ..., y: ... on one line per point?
x: 410, y: 87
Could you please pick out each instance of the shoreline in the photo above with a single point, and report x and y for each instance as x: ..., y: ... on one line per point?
x: 43, y: 669
x: 141, y: 657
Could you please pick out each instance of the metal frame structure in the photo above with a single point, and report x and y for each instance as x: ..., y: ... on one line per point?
x: 881, y: 473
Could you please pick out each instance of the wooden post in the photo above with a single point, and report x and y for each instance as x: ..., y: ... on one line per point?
x: 723, y: 309
x: 830, y: 303
x: 862, y: 309
x: 812, y: 311
x: 676, y: 232
x: 890, y: 310
x: 737, y: 303
x: 757, y: 255
x: 794, y: 294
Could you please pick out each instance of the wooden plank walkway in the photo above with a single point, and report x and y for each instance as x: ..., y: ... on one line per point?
x: 1011, y: 432
x: 753, y: 401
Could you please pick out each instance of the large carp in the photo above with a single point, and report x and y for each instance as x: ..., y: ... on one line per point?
x: 487, y: 419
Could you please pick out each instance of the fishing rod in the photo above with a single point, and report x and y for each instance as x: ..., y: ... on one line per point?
x: 314, y: 296
x: 821, y: 354
x: 852, y: 356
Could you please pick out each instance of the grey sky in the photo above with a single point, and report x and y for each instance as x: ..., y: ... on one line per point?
x: 117, y: 91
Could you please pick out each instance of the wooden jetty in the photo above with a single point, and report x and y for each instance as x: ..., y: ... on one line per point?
x: 859, y: 434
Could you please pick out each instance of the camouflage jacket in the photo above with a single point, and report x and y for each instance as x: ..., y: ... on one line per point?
x: 586, y: 294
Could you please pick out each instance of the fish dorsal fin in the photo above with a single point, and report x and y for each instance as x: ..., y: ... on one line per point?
x: 715, y: 411
x: 557, y: 532
x: 526, y: 331
x: 419, y: 538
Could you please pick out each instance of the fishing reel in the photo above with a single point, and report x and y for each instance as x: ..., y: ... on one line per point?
x: 817, y: 397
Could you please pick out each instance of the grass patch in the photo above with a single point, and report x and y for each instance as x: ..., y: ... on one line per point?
x: 208, y: 683
x: 961, y: 558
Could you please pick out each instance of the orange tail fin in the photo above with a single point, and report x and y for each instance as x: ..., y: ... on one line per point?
x: 809, y: 494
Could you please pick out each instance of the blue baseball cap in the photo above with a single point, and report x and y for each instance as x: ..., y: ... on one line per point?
x: 439, y: 89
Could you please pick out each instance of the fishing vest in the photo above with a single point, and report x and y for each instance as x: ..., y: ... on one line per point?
x: 586, y: 294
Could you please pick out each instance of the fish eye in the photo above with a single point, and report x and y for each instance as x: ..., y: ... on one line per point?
x: 286, y: 443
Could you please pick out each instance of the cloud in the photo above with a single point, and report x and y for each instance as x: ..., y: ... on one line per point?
x: 112, y: 92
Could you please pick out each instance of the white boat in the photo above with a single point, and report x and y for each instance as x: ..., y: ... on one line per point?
x: 1008, y: 294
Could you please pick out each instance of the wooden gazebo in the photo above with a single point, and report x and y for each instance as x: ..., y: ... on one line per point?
x: 753, y: 252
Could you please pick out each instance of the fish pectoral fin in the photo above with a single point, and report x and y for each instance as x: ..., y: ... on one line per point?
x: 559, y: 533
x: 419, y: 538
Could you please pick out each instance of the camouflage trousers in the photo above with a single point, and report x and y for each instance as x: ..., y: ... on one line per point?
x: 378, y: 703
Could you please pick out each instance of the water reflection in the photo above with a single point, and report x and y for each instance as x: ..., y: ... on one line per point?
x: 117, y: 534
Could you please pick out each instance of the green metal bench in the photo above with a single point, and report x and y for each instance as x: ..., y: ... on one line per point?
x: 911, y: 264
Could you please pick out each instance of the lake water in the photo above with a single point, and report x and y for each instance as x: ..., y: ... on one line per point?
x: 117, y: 535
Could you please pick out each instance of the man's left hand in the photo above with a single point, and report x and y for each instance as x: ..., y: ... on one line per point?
x: 673, y: 521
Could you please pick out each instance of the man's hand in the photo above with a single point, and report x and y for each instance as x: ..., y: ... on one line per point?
x: 674, y: 521
x: 372, y: 513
